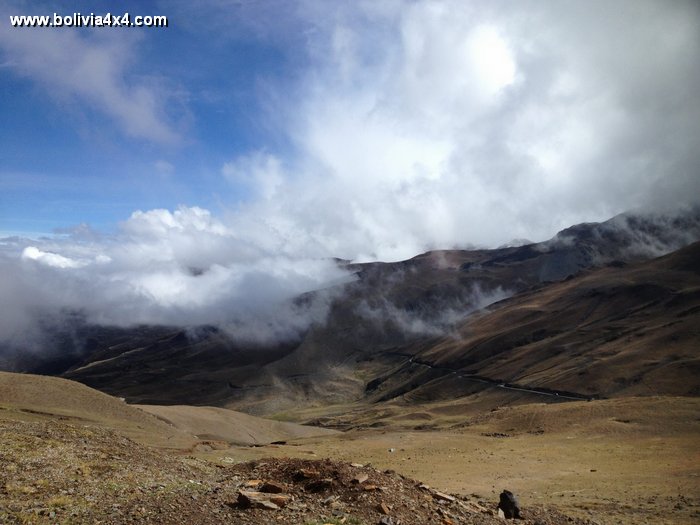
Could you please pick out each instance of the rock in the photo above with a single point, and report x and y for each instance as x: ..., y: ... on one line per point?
x: 509, y: 505
x: 302, y: 474
x: 472, y: 506
x: 252, y: 483
x: 255, y: 500
x: 383, y: 508
x: 280, y: 500
x: 360, y: 478
x: 443, y: 497
x: 356, y: 465
x: 386, y: 520
x: 319, y: 485
x: 272, y: 487
x: 329, y: 500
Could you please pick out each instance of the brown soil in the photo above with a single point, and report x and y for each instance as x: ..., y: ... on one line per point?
x: 229, y: 426
x: 53, y: 472
x: 619, y: 461
x: 67, y: 456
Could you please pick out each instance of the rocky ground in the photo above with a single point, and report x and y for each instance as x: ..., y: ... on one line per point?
x: 55, y: 472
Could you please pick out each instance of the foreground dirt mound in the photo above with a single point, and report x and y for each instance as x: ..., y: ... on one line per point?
x: 52, y: 472
x: 326, y: 491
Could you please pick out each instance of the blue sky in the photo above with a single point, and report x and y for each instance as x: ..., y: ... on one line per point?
x: 67, y: 158
x: 385, y: 116
x: 210, y: 169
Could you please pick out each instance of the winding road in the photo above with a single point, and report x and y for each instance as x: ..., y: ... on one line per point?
x: 497, y: 383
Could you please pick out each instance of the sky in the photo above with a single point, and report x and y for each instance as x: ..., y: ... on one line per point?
x: 249, y: 141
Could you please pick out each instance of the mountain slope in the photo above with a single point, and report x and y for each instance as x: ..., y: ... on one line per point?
x: 33, y: 397
x: 389, y: 313
x: 630, y: 330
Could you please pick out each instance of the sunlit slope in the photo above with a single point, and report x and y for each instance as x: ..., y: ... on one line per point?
x: 620, y: 330
x: 554, y: 332
x: 30, y: 397
x: 230, y: 426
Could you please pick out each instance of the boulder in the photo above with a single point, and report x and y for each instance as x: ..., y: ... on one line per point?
x: 508, y: 503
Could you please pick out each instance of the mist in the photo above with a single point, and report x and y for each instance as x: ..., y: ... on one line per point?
x: 408, y: 126
x: 434, y: 318
x: 182, y: 269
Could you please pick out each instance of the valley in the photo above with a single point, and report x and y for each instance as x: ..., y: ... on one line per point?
x: 565, y: 371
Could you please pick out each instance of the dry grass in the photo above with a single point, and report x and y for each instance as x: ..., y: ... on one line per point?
x: 618, y: 461
x: 626, y: 461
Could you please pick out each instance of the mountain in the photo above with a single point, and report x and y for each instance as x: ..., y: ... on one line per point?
x: 588, y: 313
x: 619, y: 330
x: 28, y: 397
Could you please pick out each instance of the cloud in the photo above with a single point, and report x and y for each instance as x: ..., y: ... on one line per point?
x: 436, y: 319
x: 91, y: 70
x: 181, y: 268
x: 260, y: 172
x: 446, y: 123
x: 51, y: 259
x: 409, y: 125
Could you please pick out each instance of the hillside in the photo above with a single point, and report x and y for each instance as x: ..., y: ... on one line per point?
x: 52, y: 472
x: 620, y: 330
x: 28, y: 397
x: 572, y: 299
x: 65, y: 457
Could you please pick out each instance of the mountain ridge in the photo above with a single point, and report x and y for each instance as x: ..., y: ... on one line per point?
x: 390, y: 311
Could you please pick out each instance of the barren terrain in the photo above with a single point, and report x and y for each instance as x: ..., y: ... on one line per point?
x: 628, y: 461
x: 580, y: 396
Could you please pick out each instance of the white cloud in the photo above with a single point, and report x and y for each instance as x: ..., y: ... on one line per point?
x: 183, y: 268
x: 261, y: 172
x: 447, y: 123
x: 51, y: 259
x: 414, y: 125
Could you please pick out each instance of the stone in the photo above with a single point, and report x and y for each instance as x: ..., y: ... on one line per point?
x: 386, y: 520
x: 304, y: 473
x: 508, y: 503
x: 319, y: 485
x: 272, y: 487
x: 252, y: 483
x: 360, y: 478
x: 383, y: 508
x: 443, y: 497
x: 255, y: 500
x: 472, y: 506
x: 280, y: 500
